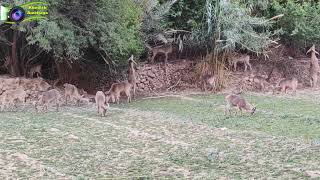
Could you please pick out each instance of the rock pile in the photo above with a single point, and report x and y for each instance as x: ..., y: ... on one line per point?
x: 31, y: 86
x: 152, y: 77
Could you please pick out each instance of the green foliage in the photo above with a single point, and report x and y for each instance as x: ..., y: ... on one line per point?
x: 231, y: 25
x: 257, y: 7
x: 234, y: 24
x: 117, y: 24
x: 300, y: 23
x: 110, y: 27
x: 154, y: 17
x: 186, y: 14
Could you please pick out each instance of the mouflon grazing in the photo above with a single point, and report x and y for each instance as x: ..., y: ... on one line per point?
x: 101, y: 103
x: 237, y: 101
x: 287, y: 83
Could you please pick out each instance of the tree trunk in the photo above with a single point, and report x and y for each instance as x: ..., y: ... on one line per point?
x: 59, y: 70
x: 14, y: 55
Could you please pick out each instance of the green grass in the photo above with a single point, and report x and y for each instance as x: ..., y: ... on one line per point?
x: 284, y: 117
x: 173, y: 137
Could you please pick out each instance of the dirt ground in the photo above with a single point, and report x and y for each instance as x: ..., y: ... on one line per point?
x: 176, y: 136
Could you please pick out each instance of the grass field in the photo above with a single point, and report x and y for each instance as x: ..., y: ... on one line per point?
x: 173, y: 137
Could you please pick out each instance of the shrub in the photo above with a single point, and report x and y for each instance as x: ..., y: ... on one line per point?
x: 109, y: 27
x: 300, y: 23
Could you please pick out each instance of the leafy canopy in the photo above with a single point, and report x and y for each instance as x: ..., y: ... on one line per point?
x: 231, y: 25
x: 300, y: 23
x: 109, y: 27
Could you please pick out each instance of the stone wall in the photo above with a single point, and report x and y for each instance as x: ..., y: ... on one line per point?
x: 152, y: 77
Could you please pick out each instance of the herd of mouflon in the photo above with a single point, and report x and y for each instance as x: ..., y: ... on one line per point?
x: 17, y: 90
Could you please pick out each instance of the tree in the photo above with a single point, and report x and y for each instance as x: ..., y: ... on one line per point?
x: 154, y: 18
x: 109, y: 27
x: 230, y: 26
x: 186, y: 14
x: 16, y: 53
x: 300, y: 23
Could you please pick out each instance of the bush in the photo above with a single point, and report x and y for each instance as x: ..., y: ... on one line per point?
x: 231, y: 25
x: 300, y: 23
x: 186, y: 14
x: 110, y: 27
